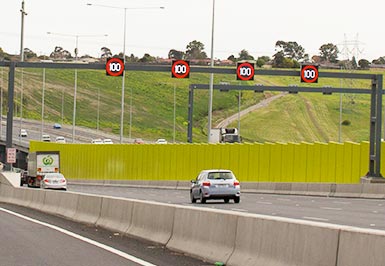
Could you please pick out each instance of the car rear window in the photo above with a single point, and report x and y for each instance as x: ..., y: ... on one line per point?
x: 220, y: 175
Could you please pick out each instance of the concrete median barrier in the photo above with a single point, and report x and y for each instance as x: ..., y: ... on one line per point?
x: 152, y: 221
x: 35, y: 198
x: 268, y: 241
x: 359, y: 247
x: 88, y: 208
x: 116, y: 214
x: 208, y: 234
x: 66, y: 203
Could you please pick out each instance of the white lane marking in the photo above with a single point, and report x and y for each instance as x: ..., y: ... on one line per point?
x: 87, y: 240
x: 342, y: 202
x: 264, y: 202
x: 240, y: 210
x: 330, y: 208
x: 315, y: 218
x: 281, y: 199
x: 372, y: 225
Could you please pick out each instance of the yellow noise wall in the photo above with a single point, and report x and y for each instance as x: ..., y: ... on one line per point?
x: 251, y: 162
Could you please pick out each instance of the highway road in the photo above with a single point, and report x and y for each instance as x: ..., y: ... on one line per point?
x: 364, y: 213
x: 31, y: 238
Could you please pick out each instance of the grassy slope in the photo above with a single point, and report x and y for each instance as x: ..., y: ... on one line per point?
x: 301, y: 117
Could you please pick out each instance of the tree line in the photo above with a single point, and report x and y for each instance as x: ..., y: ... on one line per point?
x: 289, y: 54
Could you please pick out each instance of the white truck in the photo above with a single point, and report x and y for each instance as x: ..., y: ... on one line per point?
x: 224, y: 135
x: 40, y: 163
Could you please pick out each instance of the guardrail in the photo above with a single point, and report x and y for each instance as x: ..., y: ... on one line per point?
x: 237, y: 239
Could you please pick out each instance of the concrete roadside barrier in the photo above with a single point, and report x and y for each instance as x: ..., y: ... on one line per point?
x: 319, y: 189
x: 35, y: 198
x: 359, y: 247
x: 299, y: 188
x: 152, y: 221
x: 66, y: 203
x: 115, y: 214
x: 268, y: 188
x: 88, y: 208
x: 347, y: 191
x: 263, y: 240
x: 373, y: 191
x: 207, y: 234
x: 282, y: 188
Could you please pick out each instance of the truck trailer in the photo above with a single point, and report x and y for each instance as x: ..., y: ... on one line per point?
x: 40, y: 163
x: 224, y: 135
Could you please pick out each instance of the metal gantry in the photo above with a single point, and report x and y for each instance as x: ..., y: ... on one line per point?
x: 376, y: 92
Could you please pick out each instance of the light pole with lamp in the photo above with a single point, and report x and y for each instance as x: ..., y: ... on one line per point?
x: 124, y: 60
x: 76, y: 75
x: 211, y: 87
x: 23, y: 13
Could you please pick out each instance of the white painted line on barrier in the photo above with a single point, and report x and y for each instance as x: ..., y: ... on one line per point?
x: 79, y: 237
x: 330, y: 208
x: 240, y: 210
x: 315, y: 218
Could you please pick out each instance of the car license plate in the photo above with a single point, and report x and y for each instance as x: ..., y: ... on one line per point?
x: 221, y: 185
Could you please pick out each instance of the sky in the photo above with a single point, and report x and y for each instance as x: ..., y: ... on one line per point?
x: 251, y: 25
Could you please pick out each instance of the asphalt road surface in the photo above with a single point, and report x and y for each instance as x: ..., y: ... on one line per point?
x: 30, y: 238
x: 364, y: 213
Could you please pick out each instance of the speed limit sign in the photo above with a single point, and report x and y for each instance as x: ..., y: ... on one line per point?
x: 114, y: 67
x: 245, y: 71
x: 309, y: 73
x: 180, y: 69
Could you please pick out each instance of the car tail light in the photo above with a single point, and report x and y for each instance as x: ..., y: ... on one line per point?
x: 206, y: 184
x: 46, y: 180
x: 62, y: 180
x: 236, y: 183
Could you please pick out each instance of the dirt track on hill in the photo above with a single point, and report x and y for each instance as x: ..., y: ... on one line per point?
x: 224, y: 123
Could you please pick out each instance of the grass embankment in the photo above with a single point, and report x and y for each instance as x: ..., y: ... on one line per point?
x: 293, y: 118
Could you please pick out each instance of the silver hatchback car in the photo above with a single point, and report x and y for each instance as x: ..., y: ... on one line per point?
x: 215, y: 184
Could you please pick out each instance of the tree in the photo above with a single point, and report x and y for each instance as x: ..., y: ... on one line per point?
x: 60, y: 53
x: 232, y: 58
x: 329, y: 53
x: 195, y: 50
x: 106, y: 52
x: 379, y: 61
x: 292, y: 50
x: 244, y: 55
x: 262, y: 60
x: 28, y: 53
x: 364, y: 64
x: 174, y: 54
x: 147, y: 58
x: 279, y: 60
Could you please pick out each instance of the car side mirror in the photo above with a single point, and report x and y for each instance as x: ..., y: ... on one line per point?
x: 193, y: 181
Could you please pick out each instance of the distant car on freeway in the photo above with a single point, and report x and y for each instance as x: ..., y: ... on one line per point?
x: 161, y: 141
x: 215, y: 184
x: 56, y: 126
x: 54, y: 181
x: 108, y: 141
x: 97, y: 141
x: 23, y: 133
x: 138, y: 141
x: 60, y: 139
x: 46, y: 137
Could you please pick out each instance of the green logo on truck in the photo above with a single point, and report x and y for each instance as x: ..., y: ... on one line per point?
x: 48, y: 160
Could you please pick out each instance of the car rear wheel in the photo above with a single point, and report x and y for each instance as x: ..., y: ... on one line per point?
x: 193, y: 200
x: 237, y: 199
x: 202, y: 199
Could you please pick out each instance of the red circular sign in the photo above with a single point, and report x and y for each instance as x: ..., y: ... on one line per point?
x: 115, y: 67
x: 180, y: 69
x: 245, y: 71
x: 309, y: 74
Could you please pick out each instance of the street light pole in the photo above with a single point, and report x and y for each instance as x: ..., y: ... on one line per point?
x: 124, y: 60
x: 76, y: 75
x: 23, y: 13
x: 211, y: 88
